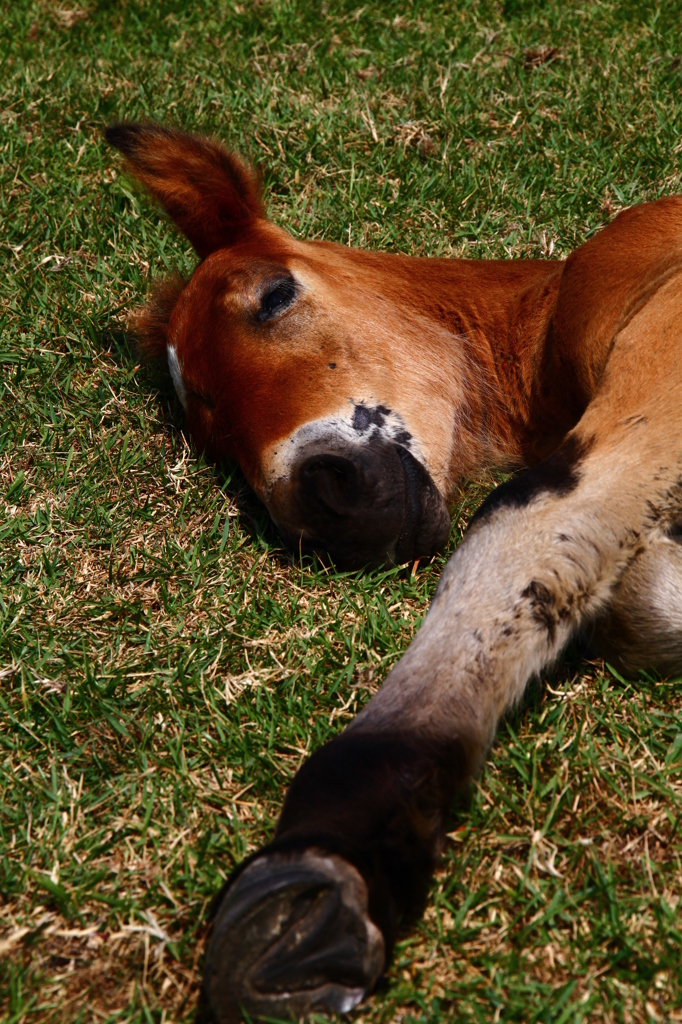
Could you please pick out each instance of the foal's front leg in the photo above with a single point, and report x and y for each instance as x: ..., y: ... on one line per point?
x: 309, y: 923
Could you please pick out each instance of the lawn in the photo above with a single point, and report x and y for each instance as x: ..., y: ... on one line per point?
x: 165, y: 666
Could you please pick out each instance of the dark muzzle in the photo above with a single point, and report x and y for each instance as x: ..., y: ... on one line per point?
x: 361, y: 505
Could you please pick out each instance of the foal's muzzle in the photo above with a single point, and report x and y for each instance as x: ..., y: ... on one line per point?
x: 361, y: 505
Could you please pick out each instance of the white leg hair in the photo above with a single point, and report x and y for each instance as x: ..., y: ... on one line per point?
x: 642, y: 627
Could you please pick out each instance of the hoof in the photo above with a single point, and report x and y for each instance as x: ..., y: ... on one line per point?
x: 291, y: 936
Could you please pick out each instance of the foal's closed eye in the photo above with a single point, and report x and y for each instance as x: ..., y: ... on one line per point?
x: 277, y: 297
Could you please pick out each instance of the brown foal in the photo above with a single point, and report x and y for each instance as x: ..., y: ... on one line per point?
x: 355, y: 389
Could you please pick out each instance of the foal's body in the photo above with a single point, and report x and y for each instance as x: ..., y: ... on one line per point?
x: 353, y: 409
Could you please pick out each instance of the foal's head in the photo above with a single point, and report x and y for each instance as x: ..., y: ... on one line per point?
x: 328, y: 373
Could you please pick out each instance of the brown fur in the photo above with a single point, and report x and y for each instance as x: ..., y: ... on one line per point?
x: 149, y: 323
x: 211, y: 194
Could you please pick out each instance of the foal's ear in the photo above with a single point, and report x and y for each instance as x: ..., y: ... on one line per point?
x: 211, y: 194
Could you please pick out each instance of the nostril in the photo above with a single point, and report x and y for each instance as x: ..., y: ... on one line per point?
x: 333, y: 480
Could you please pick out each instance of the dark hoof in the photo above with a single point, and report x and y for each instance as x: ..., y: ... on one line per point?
x: 292, y: 935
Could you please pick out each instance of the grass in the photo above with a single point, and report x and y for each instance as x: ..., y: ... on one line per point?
x: 165, y: 666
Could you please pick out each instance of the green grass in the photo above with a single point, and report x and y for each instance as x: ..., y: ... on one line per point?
x: 165, y: 666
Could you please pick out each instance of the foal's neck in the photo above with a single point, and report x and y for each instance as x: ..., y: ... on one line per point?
x: 501, y: 311
x: 541, y: 332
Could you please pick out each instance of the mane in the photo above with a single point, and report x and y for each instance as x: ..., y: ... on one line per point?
x: 148, y: 324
